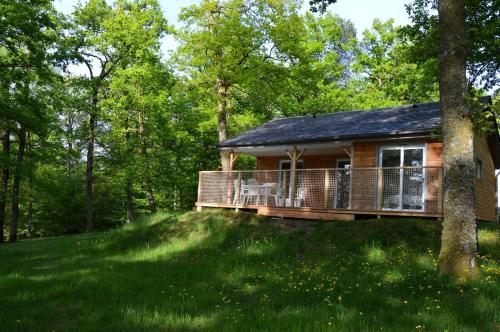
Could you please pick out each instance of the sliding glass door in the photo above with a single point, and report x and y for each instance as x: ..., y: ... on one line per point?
x: 403, y: 177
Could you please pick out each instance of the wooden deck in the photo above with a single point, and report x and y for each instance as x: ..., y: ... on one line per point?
x: 311, y: 213
x: 329, y: 194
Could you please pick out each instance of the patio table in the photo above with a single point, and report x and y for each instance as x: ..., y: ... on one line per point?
x: 266, y: 189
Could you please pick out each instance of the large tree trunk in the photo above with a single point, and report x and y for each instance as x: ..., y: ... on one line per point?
x: 16, y: 184
x: 5, y: 180
x: 144, y: 153
x: 458, y: 256
x: 90, y: 172
x: 222, y: 121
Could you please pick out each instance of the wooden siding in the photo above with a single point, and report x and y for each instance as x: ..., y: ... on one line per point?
x: 485, y: 188
x: 434, y: 178
x: 268, y: 163
x: 310, y: 162
x: 365, y: 154
x: 316, y: 190
x: 434, y: 154
x: 363, y: 191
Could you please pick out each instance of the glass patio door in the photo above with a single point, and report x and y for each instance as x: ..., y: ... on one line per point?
x: 402, y: 188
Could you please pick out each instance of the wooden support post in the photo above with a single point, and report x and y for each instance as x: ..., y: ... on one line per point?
x: 232, y: 158
x: 295, y: 155
x: 380, y: 180
x: 293, y: 171
x: 326, y: 188
x: 440, y: 191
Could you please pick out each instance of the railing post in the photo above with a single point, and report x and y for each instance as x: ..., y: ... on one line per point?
x: 283, y: 189
x: 380, y: 183
x: 229, y: 187
x: 199, y: 186
x: 238, y: 189
x: 326, y: 188
x: 351, y: 185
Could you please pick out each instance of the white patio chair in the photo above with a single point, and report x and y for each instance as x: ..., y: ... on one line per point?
x: 243, y: 192
x: 300, y: 197
x: 252, y: 191
x: 276, y: 195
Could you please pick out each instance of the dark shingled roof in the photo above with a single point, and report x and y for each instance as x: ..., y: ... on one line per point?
x: 393, y: 121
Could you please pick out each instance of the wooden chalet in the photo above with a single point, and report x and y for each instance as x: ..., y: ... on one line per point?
x: 347, y: 165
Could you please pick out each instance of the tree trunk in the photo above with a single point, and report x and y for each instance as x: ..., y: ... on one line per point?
x: 69, y: 141
x: 222, y: 121
x: 30, y: 206
x: 5, y: 180
x: 458, y: 256
x: 144, y: 153
x: 31, y: 198
x: 90, y: 171
x: 16, y: 185
x: 130, y: 202
x: 129, y: 185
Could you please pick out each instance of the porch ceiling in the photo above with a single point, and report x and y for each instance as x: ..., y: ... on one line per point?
x: 280, y: 150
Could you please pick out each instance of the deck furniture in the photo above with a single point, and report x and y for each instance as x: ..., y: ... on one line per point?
x: 300, y: 197
x: 370, y: 190
x: 267, y: 191
x: 239, y: 191
x: 253, y: 191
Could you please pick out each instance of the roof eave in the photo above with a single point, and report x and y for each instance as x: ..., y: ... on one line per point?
x: 427, y: 132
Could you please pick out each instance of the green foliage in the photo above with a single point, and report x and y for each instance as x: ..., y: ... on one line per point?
x: 483, y: 48
x: 234, y: 271
x: 387, y: 73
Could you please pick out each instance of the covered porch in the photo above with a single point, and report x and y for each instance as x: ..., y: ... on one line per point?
x: 339, y: 192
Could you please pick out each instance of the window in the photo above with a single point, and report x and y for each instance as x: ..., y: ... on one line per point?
x: 403, y: 177
x: 479, y: 168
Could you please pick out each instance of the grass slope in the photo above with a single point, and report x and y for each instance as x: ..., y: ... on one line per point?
x: 228, y: 271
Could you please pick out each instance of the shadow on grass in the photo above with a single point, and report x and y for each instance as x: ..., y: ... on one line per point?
x: 222, y: 270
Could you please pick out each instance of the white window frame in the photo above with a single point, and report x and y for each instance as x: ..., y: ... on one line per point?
x: 403, y: 147
x: 478, y: 168
x: 335, y: 192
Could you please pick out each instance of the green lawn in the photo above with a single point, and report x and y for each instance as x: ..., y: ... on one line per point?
x: 228, y: 271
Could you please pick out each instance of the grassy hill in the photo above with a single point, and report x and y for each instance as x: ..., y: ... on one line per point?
x: 230, y: 271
